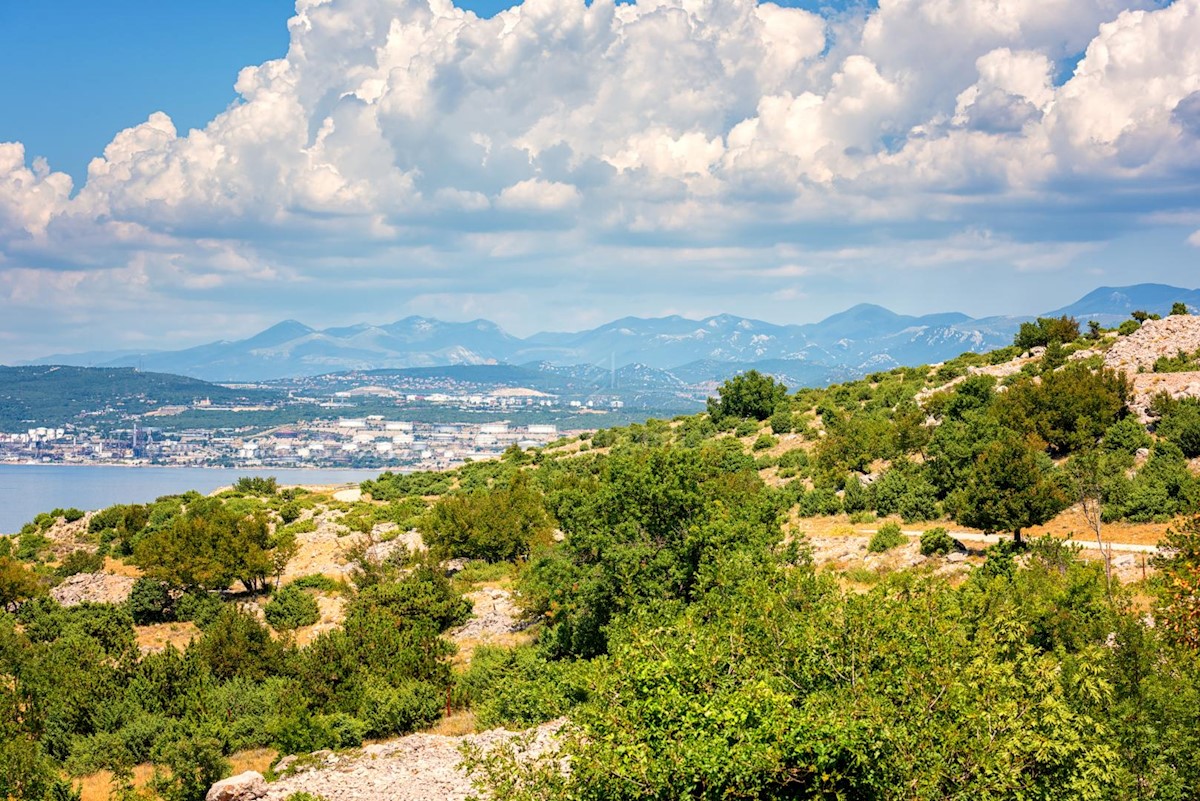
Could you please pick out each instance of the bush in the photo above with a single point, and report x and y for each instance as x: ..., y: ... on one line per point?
x: 1128, y: 327
x: 317, y: 581
x: 292, y: 608
x: 289, y: 512
x: 764, y: 441
x: 256, y: 485
x: 201, y: 608
x: 390, y: 711
x: 151, y: 601
x: 1180, y: 425
x: 79, y: 562
x: 72, y: 514
x: 937, y: 541
x: 887, y: 537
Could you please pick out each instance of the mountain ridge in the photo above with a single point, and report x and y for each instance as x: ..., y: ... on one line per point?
x: 863, y: 338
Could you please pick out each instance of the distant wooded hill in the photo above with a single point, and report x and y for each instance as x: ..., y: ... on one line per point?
x: 43, y: 396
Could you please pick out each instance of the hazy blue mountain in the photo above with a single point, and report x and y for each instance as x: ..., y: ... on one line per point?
x: 1110, y: 305
x: 862, y: 339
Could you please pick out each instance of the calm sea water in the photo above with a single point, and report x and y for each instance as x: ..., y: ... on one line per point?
x: 26, y: 490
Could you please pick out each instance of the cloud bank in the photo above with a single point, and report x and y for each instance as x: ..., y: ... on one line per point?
x: 459, y: 164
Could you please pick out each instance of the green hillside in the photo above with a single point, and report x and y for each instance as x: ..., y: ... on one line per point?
x: 55, y: 396
x: 679, y: 616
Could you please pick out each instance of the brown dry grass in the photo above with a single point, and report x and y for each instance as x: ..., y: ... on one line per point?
x: 467, y: 645
x: 119, y: 568
x: 98, y: 786
x: 456, y: 725
x: 1069, y: 524
x: 158, y: 636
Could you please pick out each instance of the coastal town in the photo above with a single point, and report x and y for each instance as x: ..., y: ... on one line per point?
x: 370, y: 441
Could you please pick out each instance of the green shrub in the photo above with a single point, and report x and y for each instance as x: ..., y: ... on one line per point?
x: 887, y: 537
x: 201, y: 608
x: 937, y: 541
x: 764, y: 441
x: 151, y: 601
x: 1128, y: 327
x: 745, y: 428
x: 292, y: 608
x: 79, y: 562
x: 256, y: 485
x: 390, y: 711
x: 72, y: 514
x: 319, y: 582
x: 859, y: 518
x: 290, y: 512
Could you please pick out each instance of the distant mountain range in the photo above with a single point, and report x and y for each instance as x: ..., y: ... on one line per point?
x: 863, y: 339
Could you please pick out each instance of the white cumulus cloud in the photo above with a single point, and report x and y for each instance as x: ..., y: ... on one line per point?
x: 407, y: 138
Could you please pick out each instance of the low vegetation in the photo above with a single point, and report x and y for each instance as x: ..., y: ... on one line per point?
x: 678, y: 620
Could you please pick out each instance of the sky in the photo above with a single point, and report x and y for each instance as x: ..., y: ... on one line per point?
x: 172, y: 174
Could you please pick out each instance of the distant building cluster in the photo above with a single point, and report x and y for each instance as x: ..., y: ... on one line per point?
x: 348, y: 442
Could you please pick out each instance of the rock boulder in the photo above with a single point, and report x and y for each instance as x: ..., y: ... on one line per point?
x: 247, y: 786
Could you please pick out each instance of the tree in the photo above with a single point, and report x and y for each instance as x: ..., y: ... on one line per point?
x: 748, y: 395
x: 1011, y: 487
x: 1179, y: 308
x: 17, y: 583
x: 1090, y: 474
x: 1069, y: 409
x: 1179, y: 601
x: 1046, y: 330
x: 292, y: 608
x: 209, y: 547
x: 495, y: 525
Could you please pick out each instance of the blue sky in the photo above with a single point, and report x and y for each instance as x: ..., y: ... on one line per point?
x: 559, y: 166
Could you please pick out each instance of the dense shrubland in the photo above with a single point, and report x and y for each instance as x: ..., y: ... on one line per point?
x: 695, y: 648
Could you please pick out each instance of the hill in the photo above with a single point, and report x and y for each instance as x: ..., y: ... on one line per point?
x: 55, y: 395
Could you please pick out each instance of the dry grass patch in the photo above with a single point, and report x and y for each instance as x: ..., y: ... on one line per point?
x: 119, y: 568
x: 157, y: 636
x: 457, y: 724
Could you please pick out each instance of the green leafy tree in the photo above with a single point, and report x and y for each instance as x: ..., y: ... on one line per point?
x: 1011, y: 487
x: 17, y: 583
x: 209, y: 547
x: 1046, y: 330
x: 1179, y: 308
x: 500, y: 524
x: 1179, y: 597
x: 747, y: 395
x: 1069, y: 409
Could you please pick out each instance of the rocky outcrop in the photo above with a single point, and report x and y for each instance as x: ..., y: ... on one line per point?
x: 1147, y: 385
x: 420, y: 767
x: 495, y: 614
x: 248, y: 786
x: 1155, y: 339
x: 97, y: 588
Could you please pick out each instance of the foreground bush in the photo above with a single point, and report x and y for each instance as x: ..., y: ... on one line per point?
x: 887, y: 537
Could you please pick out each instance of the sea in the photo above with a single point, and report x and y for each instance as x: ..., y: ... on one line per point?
x: 27, y: 490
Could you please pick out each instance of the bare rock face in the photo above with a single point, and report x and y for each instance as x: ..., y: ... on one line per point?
x: 247, y: 786
x: 97, y: 588
x: 419, y: 767
x: 1155, y: 339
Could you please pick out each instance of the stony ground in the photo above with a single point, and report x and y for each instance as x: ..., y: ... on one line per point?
x: 420, y: 767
